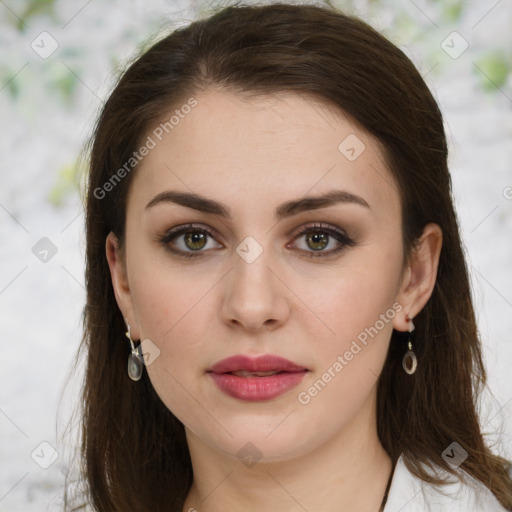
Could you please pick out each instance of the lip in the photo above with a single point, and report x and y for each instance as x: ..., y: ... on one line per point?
x: 254, y: 388
x: 263, y: 363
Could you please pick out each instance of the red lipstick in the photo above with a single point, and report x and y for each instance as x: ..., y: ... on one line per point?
x: 256, y: 379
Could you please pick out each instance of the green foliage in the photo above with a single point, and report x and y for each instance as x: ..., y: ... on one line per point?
x: 9, y: 82
x: 32, y: 9
x: 67, y: 183
x: 451, y: 11
x: 62, y: 82
x: 497, y: 67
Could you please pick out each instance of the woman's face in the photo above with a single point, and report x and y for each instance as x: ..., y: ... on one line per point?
x: 260, y: 278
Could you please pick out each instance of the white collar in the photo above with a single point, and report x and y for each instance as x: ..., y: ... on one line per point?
x: 408, y: 493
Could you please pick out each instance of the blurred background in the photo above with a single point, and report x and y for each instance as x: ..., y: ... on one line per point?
x: 59, y: 60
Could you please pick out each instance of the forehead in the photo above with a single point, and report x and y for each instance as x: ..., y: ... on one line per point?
x: 254, y: 152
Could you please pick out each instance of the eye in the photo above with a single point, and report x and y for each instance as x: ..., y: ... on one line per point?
x: 191, y: 240
x: 188, y: 241
x: 319, y: 236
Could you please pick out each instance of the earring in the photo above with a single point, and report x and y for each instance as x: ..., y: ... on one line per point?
x: 409, y: 361
x: 135, y: 364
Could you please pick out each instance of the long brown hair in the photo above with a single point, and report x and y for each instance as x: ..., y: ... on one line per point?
x: 134, y: 451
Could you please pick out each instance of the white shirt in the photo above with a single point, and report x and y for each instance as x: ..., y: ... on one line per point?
x: 408, y: 493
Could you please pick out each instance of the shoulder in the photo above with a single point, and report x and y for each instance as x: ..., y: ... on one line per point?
x: 409, y: 493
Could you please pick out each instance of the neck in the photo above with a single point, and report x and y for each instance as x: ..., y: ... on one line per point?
x: 349, y: 472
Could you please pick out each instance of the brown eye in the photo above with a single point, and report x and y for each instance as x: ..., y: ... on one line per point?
x: 195, y: 240
x: 317, y: 240
x: 187, y: 240
x: 319, y: 236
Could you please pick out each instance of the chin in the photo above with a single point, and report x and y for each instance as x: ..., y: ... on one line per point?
x: 262, y: 444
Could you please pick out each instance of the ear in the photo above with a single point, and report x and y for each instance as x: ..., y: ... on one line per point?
x: 419, y: 278
x: 117, y: 265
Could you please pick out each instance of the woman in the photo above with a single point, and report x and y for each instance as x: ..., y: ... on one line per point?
x: 270, y: 223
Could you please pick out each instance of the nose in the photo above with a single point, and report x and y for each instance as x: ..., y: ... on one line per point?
x: 255, y: 295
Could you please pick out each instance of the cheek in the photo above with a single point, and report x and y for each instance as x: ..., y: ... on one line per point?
x: 166, y: 297
x: 354, y: 301
x: 172, y: 310
x: 349, y: 356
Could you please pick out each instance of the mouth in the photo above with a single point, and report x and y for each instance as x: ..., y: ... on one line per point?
x: 257, y: 386
x: 246, y: 373
x: 262, y: 366
x: 256, y: 379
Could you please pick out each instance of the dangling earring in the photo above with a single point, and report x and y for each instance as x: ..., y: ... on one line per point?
x: 135, y: 364
x: 409, y: 361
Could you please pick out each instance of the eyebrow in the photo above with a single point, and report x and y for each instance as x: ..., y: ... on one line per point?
x: 287, y: 209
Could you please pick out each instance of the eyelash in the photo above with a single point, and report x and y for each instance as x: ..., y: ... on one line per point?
x: 340, y: 236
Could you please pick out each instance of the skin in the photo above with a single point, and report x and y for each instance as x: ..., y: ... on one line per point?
x: 252, y: 155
